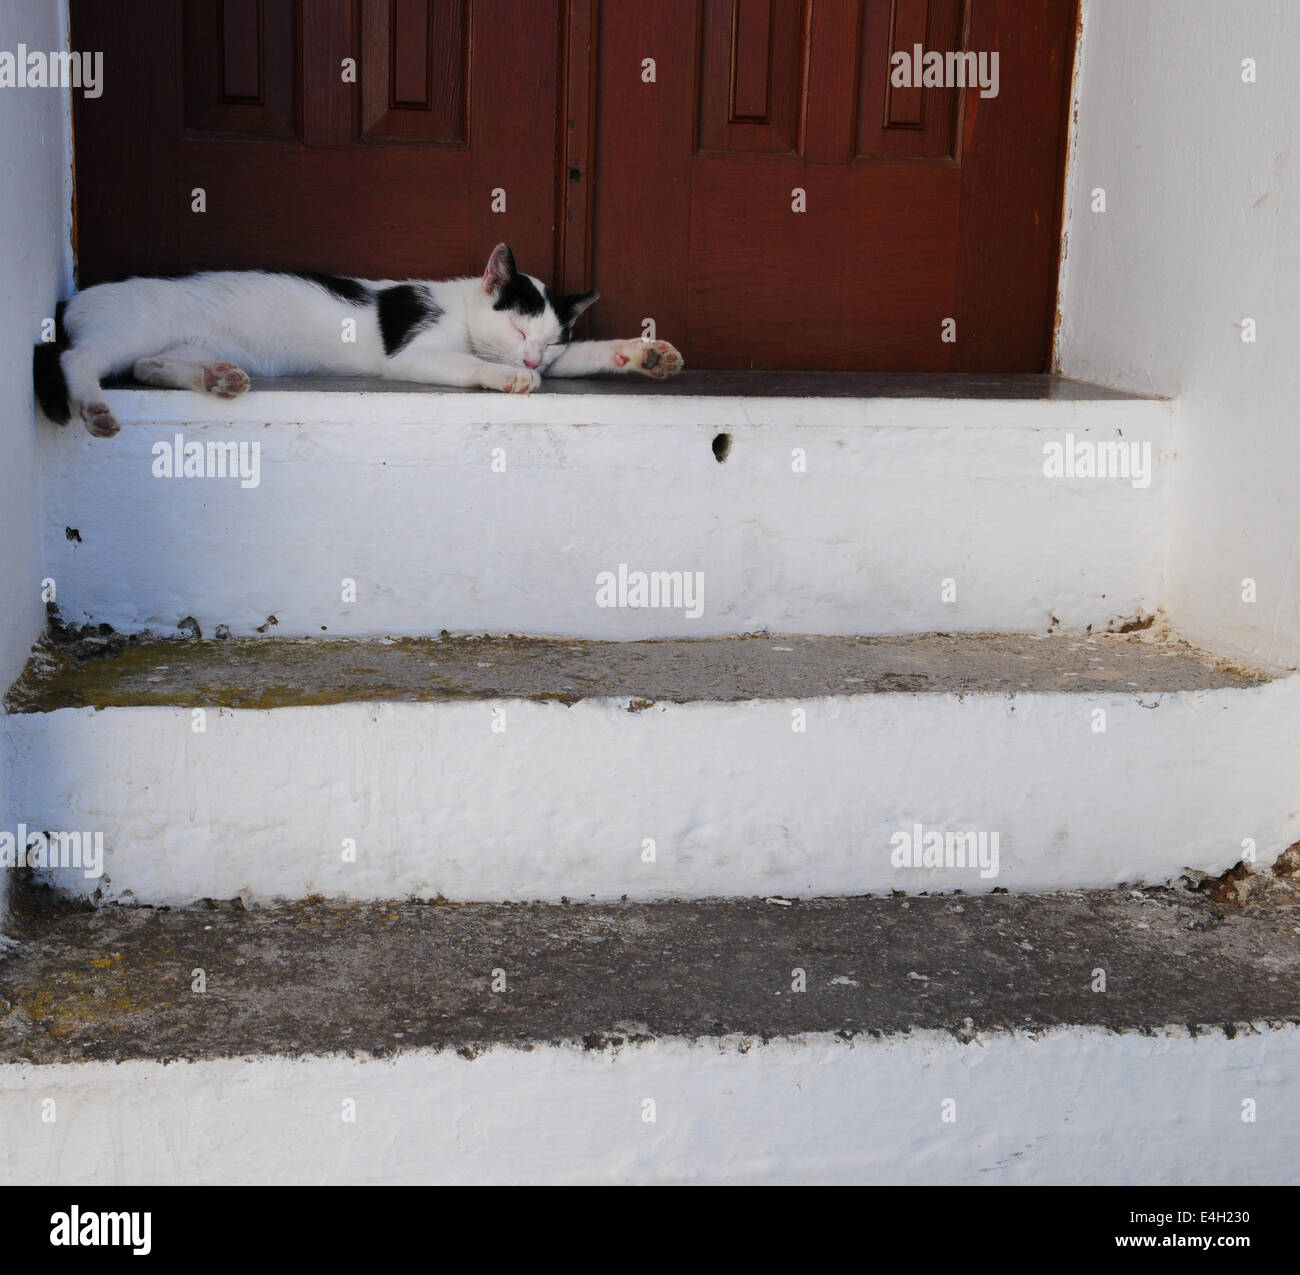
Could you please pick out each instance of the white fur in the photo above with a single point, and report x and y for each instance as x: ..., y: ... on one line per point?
x: 210, y: 332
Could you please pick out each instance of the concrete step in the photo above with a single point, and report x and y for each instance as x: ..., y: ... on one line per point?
x: 519, y: 769
x: 787, y: 502
x: 975, y: 1039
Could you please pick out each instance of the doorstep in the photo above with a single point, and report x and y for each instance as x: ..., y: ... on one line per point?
x: 711, y: 396
x: 824, y: 504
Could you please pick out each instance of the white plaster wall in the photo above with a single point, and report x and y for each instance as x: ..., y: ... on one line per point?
x: 398, y: 492
x: 560, y: 803
x: 1068, y: 1106
x: 1202, y: 230
x: 35, y: 272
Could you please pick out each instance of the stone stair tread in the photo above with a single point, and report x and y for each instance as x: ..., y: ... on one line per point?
x: 113, y: 671
x: 377, y: 979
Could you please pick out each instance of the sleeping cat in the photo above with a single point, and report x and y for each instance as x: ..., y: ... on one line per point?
x: 211, y: 331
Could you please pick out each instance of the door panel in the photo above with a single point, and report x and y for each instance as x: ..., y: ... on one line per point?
x: 239, y: 68
x: 388, y: 173
x: 415, y: 72
x: 773, y: 200
x: 762, y: 294
x: 905, y: 122
x: 752, y: 74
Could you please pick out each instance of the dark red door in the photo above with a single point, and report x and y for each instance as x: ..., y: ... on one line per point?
x: 433, y: 143
x: 931, y: 218
x: 744, y: 173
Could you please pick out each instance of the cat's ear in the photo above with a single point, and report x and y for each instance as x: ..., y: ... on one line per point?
x: 571, y: 306
x: 500, y: 269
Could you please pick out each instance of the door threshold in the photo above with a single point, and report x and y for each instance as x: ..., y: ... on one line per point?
x: 950, y: 399
x: 705, y: 383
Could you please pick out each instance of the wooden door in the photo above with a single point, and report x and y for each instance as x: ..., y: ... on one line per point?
x: 436, y: 141
x: 742, y: 172
x: 930, y: 216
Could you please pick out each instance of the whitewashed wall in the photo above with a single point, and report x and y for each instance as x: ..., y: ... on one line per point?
x: 1201, y: 231
x: 35, y: 271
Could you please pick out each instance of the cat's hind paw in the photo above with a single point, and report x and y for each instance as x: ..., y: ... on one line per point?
x: 225, y: 380
x: 99, y: 420
x: 651, y: 358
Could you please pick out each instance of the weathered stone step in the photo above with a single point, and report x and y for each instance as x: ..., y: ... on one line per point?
x: 784, y: 502
x: 507, y: 769
x: 957, y: 1039
x: 113, y: 984
x: 113, y: 671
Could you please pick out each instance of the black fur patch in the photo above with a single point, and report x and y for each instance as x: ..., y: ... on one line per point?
x: 350, y: 290
x: 47, y: 373
x: 569, y: 308
x: 404, y: 310
x: 520, y: 294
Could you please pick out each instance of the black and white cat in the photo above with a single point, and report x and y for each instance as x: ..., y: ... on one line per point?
x: 211, y: 331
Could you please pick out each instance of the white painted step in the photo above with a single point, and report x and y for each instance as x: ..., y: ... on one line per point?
x: 501, y: 770
x: 1032, y: 1108
x: 844, y: 505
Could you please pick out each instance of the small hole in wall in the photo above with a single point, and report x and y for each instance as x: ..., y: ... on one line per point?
x: 721, y: 447
x: 72, y: 534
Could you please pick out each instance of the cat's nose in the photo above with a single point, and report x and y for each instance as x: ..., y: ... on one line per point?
x: 531, y: 360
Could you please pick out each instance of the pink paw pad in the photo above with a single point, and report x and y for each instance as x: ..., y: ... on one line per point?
x: 661, y: 360
x: 99, y: 419
x: 225, y: 380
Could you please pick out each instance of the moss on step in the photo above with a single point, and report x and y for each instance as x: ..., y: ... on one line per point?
x: 263, y: 673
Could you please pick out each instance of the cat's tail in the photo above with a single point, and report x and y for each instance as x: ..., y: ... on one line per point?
x: 47, y: 373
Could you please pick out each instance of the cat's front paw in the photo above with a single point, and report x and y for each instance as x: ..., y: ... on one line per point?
x: 651, y: 358
x: 518, y: 380
x: 225, y: 380
x: 99, y: 420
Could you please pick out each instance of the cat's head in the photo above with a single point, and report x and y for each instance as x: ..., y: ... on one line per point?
x: 520, y: 321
